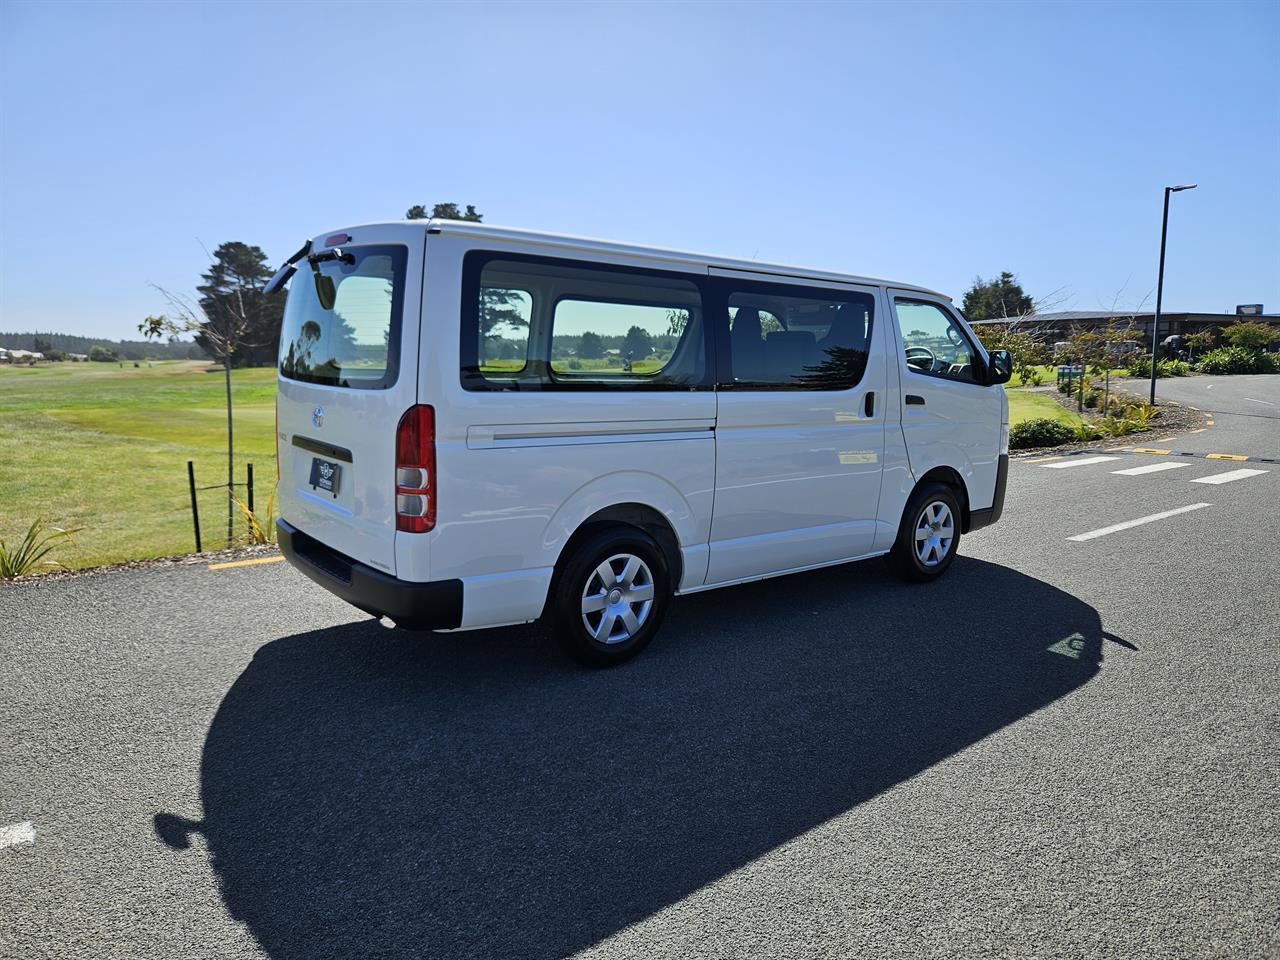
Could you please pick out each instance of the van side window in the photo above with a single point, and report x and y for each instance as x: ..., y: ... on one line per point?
x: 782, y: 338
x: 933, y: 343
x: 504, y: 329
x: 543, y: 324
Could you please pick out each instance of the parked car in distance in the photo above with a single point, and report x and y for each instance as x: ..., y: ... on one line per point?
x: 480, y: 426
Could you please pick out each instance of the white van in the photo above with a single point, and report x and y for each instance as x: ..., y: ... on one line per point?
x: 481, y: 426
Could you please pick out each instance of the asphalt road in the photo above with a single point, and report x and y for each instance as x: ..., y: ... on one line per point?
x: 1245, y: 410
x: 1065, y: 748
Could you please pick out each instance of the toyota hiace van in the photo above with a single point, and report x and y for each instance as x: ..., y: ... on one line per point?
x: 479, y: 426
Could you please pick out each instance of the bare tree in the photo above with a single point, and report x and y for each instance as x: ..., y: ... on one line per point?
x: 224, y: 331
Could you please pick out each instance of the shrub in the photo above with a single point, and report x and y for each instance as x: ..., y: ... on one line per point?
x: 1236, y: 360
x: 258, y: 529
x: 1251, y: 335
x: 1041, y: 432
x: 1141, y: 367
x: 28, y: 554
x: 1092, y: 398
x: 1117, y: 426
x: 1086, y: 431
x: 1033, y: 379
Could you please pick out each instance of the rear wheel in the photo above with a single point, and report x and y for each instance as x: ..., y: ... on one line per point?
x: 610, y: 596
x: 929, y: 534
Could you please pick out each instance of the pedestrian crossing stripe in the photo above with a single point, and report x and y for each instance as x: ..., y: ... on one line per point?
x: 1159, y: 451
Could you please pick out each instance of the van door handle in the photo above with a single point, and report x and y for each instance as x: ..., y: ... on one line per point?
x: 915, y: 399
x: 869, y: 403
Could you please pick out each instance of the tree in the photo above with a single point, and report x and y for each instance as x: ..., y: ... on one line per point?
x: 997, y: 299
x: 234, y: 287
x: 590, y: 346
x: 638, y: 344
x: 1251, y: 335
x: 102, y: 354
x: 443, y: 211
x: 1200, y: 340
x: 232, y: 317
x: 1027, y: 351
x: 40, y: 345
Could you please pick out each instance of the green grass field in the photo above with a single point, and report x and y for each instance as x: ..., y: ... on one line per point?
x: 1049, y: 374
x: 1025, y: 405
x: 105, y: 448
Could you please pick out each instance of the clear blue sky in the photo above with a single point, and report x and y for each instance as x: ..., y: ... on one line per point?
x: 922, y: 142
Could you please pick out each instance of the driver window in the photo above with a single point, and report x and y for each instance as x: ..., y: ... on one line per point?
x: 933, y: 342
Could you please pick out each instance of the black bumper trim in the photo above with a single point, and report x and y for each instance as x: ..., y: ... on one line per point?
x: 985, y: 518
x: 415, y: 606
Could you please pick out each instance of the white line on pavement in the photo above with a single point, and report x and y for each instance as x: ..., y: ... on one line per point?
x: 1229, y: 476
x: 1077, y: 462
x: 1267, y: 402
x: 16, y: 833
x: 1149, y: 468
x: 1117, y: 527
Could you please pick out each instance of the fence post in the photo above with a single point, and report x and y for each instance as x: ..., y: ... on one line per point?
x: 195, y: 508
x: 250, y: 485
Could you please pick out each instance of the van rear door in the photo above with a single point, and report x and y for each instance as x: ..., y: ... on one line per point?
x: 348, y: 372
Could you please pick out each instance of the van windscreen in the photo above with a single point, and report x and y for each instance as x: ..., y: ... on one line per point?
x: 342, y: 318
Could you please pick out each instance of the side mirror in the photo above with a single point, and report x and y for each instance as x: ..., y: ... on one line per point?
x: 1000, y: 368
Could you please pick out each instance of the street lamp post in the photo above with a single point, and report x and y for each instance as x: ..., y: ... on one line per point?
x: 1155, y: 323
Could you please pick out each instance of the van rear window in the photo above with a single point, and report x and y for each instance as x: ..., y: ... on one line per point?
x: 342, y: 318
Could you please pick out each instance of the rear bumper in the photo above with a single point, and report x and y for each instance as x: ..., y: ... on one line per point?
x: 415, y: 606
x: 985, y: 518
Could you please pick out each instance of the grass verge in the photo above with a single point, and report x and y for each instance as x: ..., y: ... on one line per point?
x: 105, y: 448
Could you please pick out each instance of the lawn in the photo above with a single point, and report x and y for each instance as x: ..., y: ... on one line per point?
x: 105, y: 447
x: 1028, y: 405
x: 1049, y: 374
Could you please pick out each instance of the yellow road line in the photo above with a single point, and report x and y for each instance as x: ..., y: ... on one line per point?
x: 254, y: 561
x: 1151, y: 450
x: 1224, y: 456
x: 1209, y: 423
x: 1199, y: 430
x: 1041, y: 459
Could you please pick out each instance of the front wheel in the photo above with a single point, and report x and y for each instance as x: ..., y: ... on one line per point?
x: 929, y: 534
x: 611, y: 596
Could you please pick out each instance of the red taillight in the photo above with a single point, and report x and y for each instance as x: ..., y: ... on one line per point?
x: 416, y: 470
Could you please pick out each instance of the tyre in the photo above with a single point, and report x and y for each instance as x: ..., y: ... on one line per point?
x: 610, y: 596
x: 929, y: 534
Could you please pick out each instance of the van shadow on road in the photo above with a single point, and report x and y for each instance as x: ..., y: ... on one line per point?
x: 369, y: 792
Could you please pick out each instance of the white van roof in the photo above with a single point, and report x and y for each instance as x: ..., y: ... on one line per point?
x: 569, y: 242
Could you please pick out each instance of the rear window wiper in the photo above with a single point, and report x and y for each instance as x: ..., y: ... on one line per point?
x: 326, y: 290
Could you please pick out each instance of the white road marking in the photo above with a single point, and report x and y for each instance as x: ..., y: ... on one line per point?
x: 16, y: 833
x: 1077, y: 462
x: 1149, y: 468
x: 1229, y: 476
x: 1267, y: 402
x: 1117, y: 527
